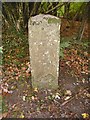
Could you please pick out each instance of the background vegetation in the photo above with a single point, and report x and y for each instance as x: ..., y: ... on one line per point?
x: 15, y: 17
x: 17, y: 14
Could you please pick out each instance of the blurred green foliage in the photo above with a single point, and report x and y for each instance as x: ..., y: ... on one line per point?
x: 65, y: 43
x: 17, y: 14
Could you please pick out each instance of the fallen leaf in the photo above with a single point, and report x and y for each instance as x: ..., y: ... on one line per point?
x: 0, y: 116
x: 17, y: 77
x: 22, y: 115
x: 35, y: 90
x: 88, y: 95
x: 67, y: 98
x: 23, y: 68
x: 86, y: 53
x: 57, y: 97
x: 33, y: 98
x: 4, y: 114
x: 68, y: 92
x: 85, y: 115
x: 24, y: 98
x: 0, y: 73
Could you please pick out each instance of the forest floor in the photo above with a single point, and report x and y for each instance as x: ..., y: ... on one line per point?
x: 71, y: 100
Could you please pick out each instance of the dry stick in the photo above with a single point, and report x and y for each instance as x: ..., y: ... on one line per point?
x: 82, y: 31
x: 59, y: 5
x: 64, y: 103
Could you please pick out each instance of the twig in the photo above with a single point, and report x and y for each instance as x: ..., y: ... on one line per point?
x: 80, y: 92
x: 59, y: 5
x: 82, y: 31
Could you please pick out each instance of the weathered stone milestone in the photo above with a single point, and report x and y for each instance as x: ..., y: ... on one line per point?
x: 44, y: 43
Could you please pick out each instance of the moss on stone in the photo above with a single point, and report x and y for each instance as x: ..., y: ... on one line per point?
x: 53, y: 20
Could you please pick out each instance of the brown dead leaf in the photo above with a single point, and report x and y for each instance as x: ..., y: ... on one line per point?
x: 4, y: 115
x: 68, y: 92
x: 0, y: 116
x: 0, y: 73
x: 17, y: 77
x: 23, y: 68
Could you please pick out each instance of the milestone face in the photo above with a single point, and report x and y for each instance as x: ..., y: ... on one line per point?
x: 44, y: 40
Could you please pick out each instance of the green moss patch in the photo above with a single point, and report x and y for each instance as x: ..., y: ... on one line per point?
x: 53, y: 20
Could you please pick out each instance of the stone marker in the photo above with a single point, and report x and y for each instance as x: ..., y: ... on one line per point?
x: 44, y: 43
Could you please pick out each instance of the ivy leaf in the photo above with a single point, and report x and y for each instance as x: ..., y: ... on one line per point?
x: 65, y: 44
